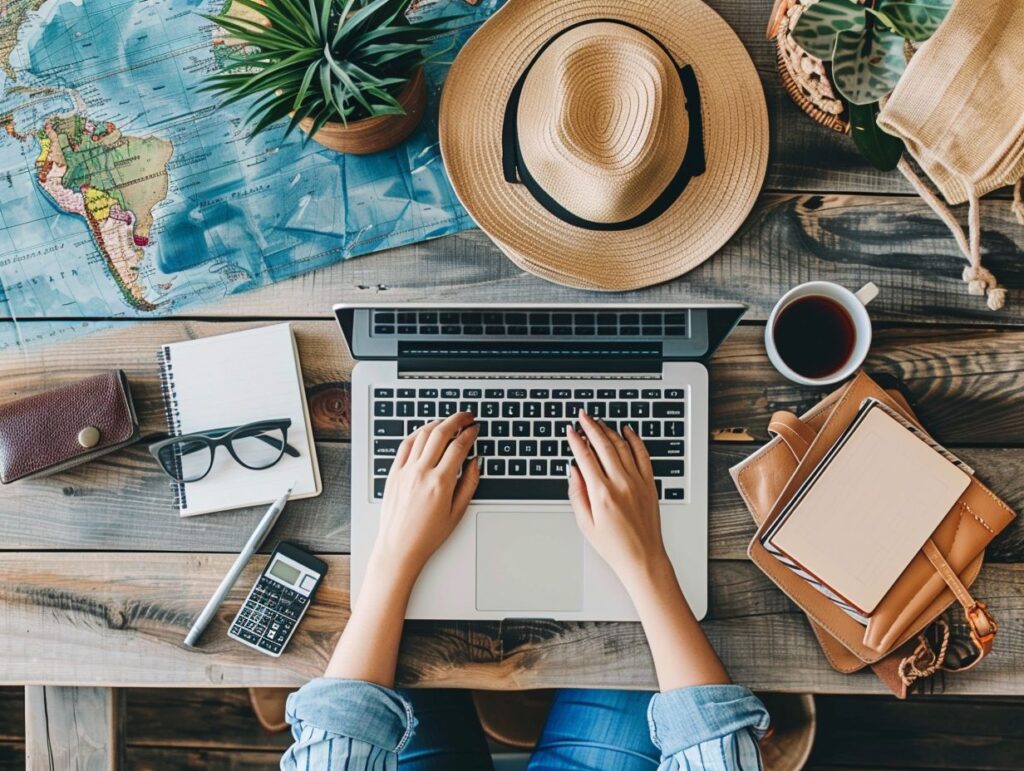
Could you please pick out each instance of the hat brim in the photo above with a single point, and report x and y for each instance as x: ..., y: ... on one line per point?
x: 705, y: 216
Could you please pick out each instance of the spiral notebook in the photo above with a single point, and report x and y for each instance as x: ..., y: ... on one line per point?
x: 231, y: 380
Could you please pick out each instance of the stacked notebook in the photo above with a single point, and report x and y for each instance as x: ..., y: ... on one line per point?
x: 866, y: 510
x: 231, y: 380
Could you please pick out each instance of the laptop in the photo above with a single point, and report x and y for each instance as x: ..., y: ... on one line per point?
x: 525, y: 370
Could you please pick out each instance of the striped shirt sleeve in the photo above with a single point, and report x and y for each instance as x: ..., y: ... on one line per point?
x: 346, y: 725
x: 712, y: 727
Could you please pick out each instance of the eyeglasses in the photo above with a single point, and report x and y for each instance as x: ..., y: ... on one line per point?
x: 256, y: 446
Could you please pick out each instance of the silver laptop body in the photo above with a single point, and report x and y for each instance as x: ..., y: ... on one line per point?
x: 522, y: 369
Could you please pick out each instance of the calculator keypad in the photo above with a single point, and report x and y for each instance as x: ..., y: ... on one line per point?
x: 269, y: 615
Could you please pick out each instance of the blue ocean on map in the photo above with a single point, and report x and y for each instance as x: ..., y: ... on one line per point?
x: 228, y: 213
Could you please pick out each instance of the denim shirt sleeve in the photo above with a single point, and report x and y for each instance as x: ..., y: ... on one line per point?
x: 347, y: 724
x: 713, y: 727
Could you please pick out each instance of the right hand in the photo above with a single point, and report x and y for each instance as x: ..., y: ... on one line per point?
x: 612, y: 491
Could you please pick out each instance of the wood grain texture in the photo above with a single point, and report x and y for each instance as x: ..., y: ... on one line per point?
x: 78, y: 729
x: 894, y: 241
x: 123, y: 503
x: 966, y: 382
x: 121, y: 619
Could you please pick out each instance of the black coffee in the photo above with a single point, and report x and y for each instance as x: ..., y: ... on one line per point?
x: 815, y: 336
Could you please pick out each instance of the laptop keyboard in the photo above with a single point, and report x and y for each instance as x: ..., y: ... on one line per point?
x: 523, y: 430
x: 532, y: 323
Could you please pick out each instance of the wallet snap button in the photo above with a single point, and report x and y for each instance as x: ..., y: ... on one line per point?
x: 89, y: 436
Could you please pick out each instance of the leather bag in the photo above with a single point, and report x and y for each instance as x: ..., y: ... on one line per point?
x: 896, y: 641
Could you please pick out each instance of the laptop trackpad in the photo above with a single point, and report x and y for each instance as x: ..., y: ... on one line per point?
x: 528, y: 561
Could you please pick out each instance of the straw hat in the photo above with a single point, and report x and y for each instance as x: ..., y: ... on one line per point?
x: 605, y: 144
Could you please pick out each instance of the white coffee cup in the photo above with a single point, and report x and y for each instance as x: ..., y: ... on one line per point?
x: 852, y: 302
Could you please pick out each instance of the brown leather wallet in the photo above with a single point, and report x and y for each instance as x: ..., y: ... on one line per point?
x: 59, y: 429
x: 939, y: 575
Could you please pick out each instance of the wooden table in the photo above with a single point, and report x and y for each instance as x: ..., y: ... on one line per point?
x: 100, y: 578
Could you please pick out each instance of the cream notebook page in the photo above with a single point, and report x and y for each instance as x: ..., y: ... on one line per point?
x: 230, y: 380
x: 871, y: 509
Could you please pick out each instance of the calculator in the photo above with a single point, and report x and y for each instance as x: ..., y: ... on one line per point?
x: 278, y: 600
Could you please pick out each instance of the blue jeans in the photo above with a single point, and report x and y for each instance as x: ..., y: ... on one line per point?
x: 586, y: 729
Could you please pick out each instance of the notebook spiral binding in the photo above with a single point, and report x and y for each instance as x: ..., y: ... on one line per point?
x: 173, y: 418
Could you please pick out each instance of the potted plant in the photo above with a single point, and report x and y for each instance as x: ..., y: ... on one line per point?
x: 862, y: 47
x: 347, y: 72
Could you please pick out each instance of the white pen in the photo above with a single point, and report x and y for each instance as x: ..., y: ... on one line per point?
x: 265, y: 526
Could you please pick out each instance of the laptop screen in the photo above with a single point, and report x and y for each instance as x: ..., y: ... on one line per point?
x: 564, y: 331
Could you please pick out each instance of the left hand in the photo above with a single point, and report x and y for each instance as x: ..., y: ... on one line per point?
x: 424, y: 497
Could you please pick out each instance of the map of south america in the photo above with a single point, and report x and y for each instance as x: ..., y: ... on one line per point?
x: 113, y: 181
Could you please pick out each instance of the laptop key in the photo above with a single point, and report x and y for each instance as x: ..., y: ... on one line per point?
x: 378, y: 488
x: 667, y: 468
x: 485, y: 447
x: 542, y: 429
x: 538, y: 468
x: 500, y: 428
x: 583, y: 393
x: 516, y: 489
x: 444, y: 409
x: 674, y: 393
x: 428, y: 393
x: 668, y: 409
x: 472, y: 393
x: 507, y: 447
x: 489, y: 410
x: 388, y: 428
x: 606, y: 393
x: 632, y: 424
x: 386, y: 447
x: 517, y: 467
x: 528, y: 449
x: 495, y: 393
x: 561, y: 426
x: 549, y: 448
x: 496, y: 467
x: 520, y: 428
x: 618, y: 410
x: 510, y: 410
x: 651, y: 393
x: 381, y: 466
x: 383, y: 409
x: 531, y: 410
x: 561, y: 393
x: 665, y: 448
x: 470, y: 407
x: 406, y: 393
x: 639, y: 410
x: 675, y: 428
x: 559, y: 467
x: 517, y: 393
x: 449, y: 393
x: 405, y: 409
x: 412, y: 425
x: 383, y: 393
x: 540, y: 393
x: 426, y: 409
x: 650, y: 429
x: 552, y: 409
x: 675, y: 494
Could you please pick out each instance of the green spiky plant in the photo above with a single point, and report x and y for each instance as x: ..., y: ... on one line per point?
x: 326, y: 60
x: 865, y: 41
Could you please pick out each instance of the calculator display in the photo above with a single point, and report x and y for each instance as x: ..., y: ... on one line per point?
x: 284, y: 571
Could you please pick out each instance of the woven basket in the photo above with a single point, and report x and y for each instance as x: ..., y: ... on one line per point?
x: 805, y: 77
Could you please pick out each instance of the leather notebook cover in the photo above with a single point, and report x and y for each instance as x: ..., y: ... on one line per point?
x: 860, y: 518
x: 920, y: 594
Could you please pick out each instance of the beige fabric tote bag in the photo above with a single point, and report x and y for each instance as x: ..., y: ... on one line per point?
x: 959, y: 108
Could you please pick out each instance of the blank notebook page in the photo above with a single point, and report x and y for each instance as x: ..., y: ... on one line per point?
x: 230, y: 380
x: 871, y: 510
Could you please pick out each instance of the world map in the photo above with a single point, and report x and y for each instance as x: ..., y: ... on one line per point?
x: 124, y: 192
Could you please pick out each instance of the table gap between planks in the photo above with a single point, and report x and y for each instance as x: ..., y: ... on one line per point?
x: 100, y: 579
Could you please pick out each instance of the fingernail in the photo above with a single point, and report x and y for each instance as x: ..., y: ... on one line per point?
x: 568, y: 470
x: 480, y: 463
x: 570, y: 430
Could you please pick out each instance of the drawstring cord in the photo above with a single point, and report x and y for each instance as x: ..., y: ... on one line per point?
x: 980, y: 280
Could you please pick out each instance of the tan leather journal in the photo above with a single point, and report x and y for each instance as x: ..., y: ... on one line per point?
x: 937, y: 576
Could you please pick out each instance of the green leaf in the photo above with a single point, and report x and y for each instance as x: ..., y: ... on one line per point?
x: 914, y: 19
x: 866, y: 65
x: 298, y: 26
x: 882, y: 150
x: 816, y: 28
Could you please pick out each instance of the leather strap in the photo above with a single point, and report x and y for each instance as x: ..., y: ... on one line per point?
x: 796, y: 434
x: 983, y: 625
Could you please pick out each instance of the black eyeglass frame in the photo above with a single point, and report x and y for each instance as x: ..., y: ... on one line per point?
x: 224, y: 437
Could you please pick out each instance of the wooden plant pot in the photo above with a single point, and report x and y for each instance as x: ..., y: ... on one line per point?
x: 371, y: 135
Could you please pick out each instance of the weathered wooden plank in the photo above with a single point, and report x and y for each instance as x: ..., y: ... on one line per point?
x: 119, y: 620
x: 79, y: 729
x: 789, y: 238
x: 123, y: 503
x: 966, y: 382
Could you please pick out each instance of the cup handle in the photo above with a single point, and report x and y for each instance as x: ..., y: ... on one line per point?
x: 866, y: 293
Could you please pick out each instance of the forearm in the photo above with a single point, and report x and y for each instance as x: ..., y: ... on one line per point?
x: 682, y: 654
x: 368, y: 648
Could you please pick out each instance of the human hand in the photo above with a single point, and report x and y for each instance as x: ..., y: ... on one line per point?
x: 611, y: 488
x: 424, y: 498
